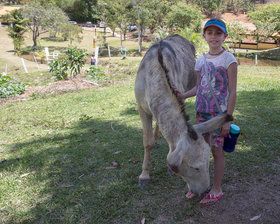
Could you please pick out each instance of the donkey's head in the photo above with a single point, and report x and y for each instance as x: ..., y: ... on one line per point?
x: 190, y: 158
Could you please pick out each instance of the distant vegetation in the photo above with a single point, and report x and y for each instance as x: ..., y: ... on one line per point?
x: 164, y: 16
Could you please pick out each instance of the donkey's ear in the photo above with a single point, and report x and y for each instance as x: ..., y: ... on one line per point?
x: 212, y: 124
x: 175, y: 158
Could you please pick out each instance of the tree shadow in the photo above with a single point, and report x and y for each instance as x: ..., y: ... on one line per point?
x: 81, y: 184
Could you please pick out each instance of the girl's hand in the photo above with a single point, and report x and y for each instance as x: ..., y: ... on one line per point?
x: 177, y: 91
x: 225, y: 129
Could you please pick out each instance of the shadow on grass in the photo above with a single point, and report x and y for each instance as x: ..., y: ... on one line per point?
x: 80, y: 184
x: 54, y: 39
x: 77, y: 183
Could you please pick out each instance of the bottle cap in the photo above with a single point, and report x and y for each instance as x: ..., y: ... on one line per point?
x: 234, y: 129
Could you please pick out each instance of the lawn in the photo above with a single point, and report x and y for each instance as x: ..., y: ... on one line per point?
x: 75, y: 158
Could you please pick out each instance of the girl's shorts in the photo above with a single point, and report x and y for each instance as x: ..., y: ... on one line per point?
x: 216, y: 139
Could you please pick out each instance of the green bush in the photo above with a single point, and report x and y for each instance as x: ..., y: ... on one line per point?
x: 59, y: 68
x: 76, y: 60
x: 70, y: 65
x: 96, y: 74
x: 9, y: 87
x: 196, y: 39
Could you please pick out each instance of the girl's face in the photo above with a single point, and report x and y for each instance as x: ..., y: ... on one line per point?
x: 214, y: 37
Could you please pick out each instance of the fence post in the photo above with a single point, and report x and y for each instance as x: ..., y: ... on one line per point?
x: 35, y: 59
x: 6, y: 69
x: 256, y: 59
x: 109, y: 51
x: 23, y: 64
x: 96, y: 55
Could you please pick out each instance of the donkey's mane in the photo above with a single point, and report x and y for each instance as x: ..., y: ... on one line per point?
x: 180, y: 102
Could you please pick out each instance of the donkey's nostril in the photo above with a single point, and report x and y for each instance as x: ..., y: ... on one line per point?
x: 174, y: 168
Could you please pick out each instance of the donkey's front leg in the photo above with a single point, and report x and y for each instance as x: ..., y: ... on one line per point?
x: 148, y: 142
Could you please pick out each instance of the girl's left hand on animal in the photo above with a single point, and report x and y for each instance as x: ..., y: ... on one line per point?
x: 225, y: 129
x: 176, y: 90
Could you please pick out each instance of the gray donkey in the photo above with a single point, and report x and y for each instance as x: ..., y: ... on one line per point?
x: 171, y: 62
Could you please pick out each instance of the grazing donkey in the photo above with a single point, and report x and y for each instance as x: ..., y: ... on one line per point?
x: 167, y: 62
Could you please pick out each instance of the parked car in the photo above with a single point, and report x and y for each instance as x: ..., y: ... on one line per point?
x: 89, y: 24
x: 73, y: 22
x: 132, y: 28
x: 102, y: 24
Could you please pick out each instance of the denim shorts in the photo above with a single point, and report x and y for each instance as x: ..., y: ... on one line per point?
x: 216, y: 139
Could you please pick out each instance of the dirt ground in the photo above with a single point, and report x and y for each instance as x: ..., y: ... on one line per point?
x: 7, y: 9
x: 58, y: 87
x: 243, y: 18
x: 244, y: 202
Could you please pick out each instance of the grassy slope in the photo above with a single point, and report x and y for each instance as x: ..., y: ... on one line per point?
x: 57, y: 149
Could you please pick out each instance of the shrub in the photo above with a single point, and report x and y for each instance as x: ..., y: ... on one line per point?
x: 196, y: 39
x: 9, y: 87
x: 59, y: 67
x: 76, y: 60
x: 70, y: 65
x: 95, y: 73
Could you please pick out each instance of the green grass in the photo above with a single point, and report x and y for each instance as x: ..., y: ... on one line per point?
x: 58, y: 147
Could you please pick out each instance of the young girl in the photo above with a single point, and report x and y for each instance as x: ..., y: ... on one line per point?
x: 221, y: 67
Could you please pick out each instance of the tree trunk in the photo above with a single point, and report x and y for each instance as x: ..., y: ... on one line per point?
x: 121, y: 38
x: 34, y: 36
x: 124, y: 34
x: 139, y: 31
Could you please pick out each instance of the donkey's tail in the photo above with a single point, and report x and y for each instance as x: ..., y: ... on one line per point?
x: 191, y: 130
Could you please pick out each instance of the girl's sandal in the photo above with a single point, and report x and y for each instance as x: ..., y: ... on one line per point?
x: 211, y: 199
x: 191, y: 195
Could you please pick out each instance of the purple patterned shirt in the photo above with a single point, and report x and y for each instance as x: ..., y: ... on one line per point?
x: 218, y: 77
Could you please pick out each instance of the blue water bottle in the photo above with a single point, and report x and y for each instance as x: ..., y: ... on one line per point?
x: 231, y: 139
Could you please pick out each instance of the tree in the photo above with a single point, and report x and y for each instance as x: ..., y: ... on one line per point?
x: 158, y: 9
x: 210, y: 7
x: 55, y: 20
x: 237, y: 5
x: 36, y: 15
x: 141, y: 16
x: 71, y: 32
x: 119, y: 8
x: 92, y: 8
x: 149, y: 14
x: 109, y: 16
x: 267, y: 20
x: 44, y: 17
x: 234, y: 32
x: 78, y: 11
x: 183, y: 15
x: 17, y: 28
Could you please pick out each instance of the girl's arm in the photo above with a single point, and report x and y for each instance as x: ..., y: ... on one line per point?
x: 191, y: 92
x: 232, y: 83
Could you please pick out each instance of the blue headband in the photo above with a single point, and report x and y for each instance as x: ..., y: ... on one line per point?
x: 217, y: 24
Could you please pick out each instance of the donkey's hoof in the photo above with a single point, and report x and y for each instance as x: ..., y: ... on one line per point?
x: 143, y: 183
x: 170, y: 172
